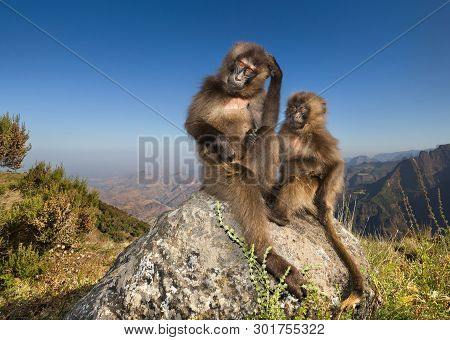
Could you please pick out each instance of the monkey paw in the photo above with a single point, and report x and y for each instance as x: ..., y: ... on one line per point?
x: 296, y: 283
x: 349, y: 303
x: 274, y: 68
x: 251, y: 137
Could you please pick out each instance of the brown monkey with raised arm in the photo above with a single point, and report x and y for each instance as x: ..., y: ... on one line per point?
x: 233, y: 121
x: 312, y: 173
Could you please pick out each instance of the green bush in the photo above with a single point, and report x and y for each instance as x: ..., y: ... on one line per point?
x: 24, y: 263
x: 45, y: 181
x: 56, y: 222
x: 6, y: 278
x: 55, y: 209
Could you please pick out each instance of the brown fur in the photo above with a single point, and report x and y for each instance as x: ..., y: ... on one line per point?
x: 312, y: 174
x: 252, y: 172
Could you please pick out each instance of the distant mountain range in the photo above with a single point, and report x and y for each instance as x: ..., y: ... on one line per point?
x: 392, y: 196
x: 144, y: 201
x: 383, y: 157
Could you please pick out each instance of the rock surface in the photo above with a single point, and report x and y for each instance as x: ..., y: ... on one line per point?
x: 186, y: 267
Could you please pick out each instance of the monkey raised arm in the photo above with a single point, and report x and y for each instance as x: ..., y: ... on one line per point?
x: 271, y: 105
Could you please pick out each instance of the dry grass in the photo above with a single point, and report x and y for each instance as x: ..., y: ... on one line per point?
x: 69, y: 275
x: 412, y: 275
x: 8, y: 196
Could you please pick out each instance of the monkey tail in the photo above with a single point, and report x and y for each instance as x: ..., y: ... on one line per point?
x: 357, y: 278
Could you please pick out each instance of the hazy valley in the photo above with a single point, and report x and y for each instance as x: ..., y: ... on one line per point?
x: 373, y: 184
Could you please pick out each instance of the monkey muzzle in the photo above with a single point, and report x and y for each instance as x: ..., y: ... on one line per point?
x: 239, y: 79
x: 236, y: 82
x: 298, y: 120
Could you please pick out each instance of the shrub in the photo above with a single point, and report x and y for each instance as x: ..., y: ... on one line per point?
x: 24, y: 263
x: 43, y: 180
x: 55, y: 209
x: 6, y: 278
x: 56, y: 223
x: 13, y: 141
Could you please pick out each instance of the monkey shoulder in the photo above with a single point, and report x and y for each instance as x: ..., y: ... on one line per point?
x: 212, y: 85
x: 207, y: 99
x: 326, y: 146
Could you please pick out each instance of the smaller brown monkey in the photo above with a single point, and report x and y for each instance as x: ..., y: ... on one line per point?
x: 312, y: 173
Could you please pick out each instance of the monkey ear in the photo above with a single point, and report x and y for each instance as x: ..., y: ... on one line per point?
x: 324, y: 107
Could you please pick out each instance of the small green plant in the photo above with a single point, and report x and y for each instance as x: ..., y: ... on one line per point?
x: 315, y: 305
x: 6, y: 278
x: 268, y: 294
x: 431, y: 214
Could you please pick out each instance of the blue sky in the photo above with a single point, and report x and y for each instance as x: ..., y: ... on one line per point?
x: 161, y: 50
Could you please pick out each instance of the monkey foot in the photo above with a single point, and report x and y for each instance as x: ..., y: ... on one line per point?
x: 296, y: 284
x: 349, y: 303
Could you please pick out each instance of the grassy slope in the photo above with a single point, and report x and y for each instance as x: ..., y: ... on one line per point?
x: 69, y: 276
x: 411, y: 275
x: 68, y: 273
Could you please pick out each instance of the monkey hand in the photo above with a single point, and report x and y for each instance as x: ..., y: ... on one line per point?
x: 222, y: 147
x: 274, y: 68
x: 251, y: 137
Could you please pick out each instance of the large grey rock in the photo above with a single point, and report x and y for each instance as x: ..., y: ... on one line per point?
x: 187, y: 267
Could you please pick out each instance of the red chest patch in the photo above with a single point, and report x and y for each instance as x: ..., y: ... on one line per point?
x: 296, y: 144
x: 236, y: 104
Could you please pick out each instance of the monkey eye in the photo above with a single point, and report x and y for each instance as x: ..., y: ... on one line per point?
x: 250, y: 71
x: 241, y: 63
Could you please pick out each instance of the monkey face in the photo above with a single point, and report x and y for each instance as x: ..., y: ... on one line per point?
x: 244, y: 70
x: 305, y: 108
x: 298, y: 114
x: 242, y: 73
